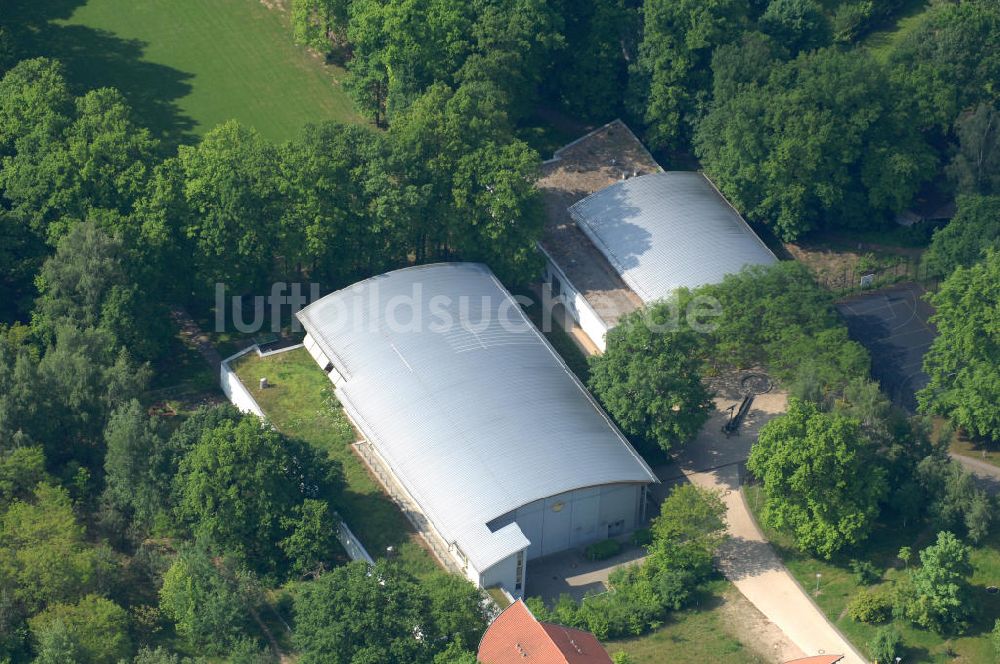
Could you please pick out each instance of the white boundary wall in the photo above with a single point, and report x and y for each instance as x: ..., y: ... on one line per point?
x: 234, y: 388
x: 242, y: 399
x: 576, y: 304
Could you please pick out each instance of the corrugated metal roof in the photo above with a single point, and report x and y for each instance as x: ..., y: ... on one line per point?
x: 663, y: 231
x: 476, y: 419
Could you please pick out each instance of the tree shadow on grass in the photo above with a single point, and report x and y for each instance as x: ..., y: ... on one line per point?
x: 97, y: 58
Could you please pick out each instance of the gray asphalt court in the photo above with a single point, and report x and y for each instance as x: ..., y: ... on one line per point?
x: 893, y: 325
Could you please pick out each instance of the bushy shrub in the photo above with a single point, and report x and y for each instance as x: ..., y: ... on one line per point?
x: 642, y: 537
x: 870, y: 606
x: 865, y: 572
x: 603, y: 550
x: 886, y: 645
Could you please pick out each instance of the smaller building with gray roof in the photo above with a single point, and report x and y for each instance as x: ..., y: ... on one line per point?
x: 622, y: 233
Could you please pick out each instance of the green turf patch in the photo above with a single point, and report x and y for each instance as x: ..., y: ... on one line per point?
x: 881, y: 43
x: 693, y: 636
x: 300, y: 402
x: 187, y: 65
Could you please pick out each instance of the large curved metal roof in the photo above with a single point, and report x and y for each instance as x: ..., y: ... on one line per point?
x: 477, y: 417
x: 664, y: 231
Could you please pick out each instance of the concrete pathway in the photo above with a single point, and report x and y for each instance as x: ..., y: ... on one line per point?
x: 751, y: 564
x: 986, y: 474
x: 713, y: 460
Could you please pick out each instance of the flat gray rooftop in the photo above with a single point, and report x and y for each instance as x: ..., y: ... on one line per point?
x: 578, y: 170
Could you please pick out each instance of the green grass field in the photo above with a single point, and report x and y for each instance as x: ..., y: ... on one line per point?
x: 188, y: 65
x: 301, y: 404
x: 838, y: 586
x: 692, y: 636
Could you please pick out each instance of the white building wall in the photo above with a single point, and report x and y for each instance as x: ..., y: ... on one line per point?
x: 578, y: 307
x: 579, y: 517
x: 504, y: 574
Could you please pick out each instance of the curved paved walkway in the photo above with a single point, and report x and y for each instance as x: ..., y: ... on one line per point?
x: 751, y: 564
x: 713, y: 460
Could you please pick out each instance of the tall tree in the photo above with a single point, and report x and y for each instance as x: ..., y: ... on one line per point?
x: 975, y: 169
x: 231, y: 189
x: 97, y: 628
x: 965, y: 240
x: 951, y: 61
x: 591, y: 73
x: 334, y: 182
x: 962, y: 361
x: 939, y: 596
x: 44, y: 554
x: 358, y: 613
x: 319, y: 24
x: 821, y: 480
x: 136, y: 468
x: 823, y: 143
x: 649, y: 380
x: 798, y: 25
x: 99, y: 160
x: 34, y: 99
x: 670, y: 79
x: 240, y: 488
x: 202, y: 597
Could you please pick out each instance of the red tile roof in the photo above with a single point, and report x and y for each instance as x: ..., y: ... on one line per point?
x: 517, y: 637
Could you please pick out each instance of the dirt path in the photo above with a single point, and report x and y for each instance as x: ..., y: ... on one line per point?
x: 986, y: 474
x: 193, y: 336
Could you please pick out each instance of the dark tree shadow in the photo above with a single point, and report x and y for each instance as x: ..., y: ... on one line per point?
x: 97, y: 58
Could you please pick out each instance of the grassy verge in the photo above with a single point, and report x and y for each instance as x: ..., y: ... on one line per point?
x: 980, y: 452
x: 187, y: 65
x: 837, y: 586
x: 881, y: 43
x: 693, y: 636
x: 300, y: 403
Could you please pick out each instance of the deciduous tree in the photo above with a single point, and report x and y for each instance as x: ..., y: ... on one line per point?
x: 649, y: 380
x: 962, y: 361
x: 821, y: 479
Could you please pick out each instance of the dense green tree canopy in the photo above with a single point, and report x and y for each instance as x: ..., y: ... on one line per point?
x: 964, y: 241
x: 975, y: 168
x: 230, y: 187
x: 44, y: 554
x: 670, y: 79
x: 136, y: 465
x: 823, y: 143
x: 939, y: 596
x: 649, y: 380
x: 688, y: 531
x: 242, y: 487
x: 96, y: 627
x: 821, y: 479
x: 963, y: 360
x: 358, y: 613
x: 798, y: 25
x: 951, y: 61
x: 201, y: 595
